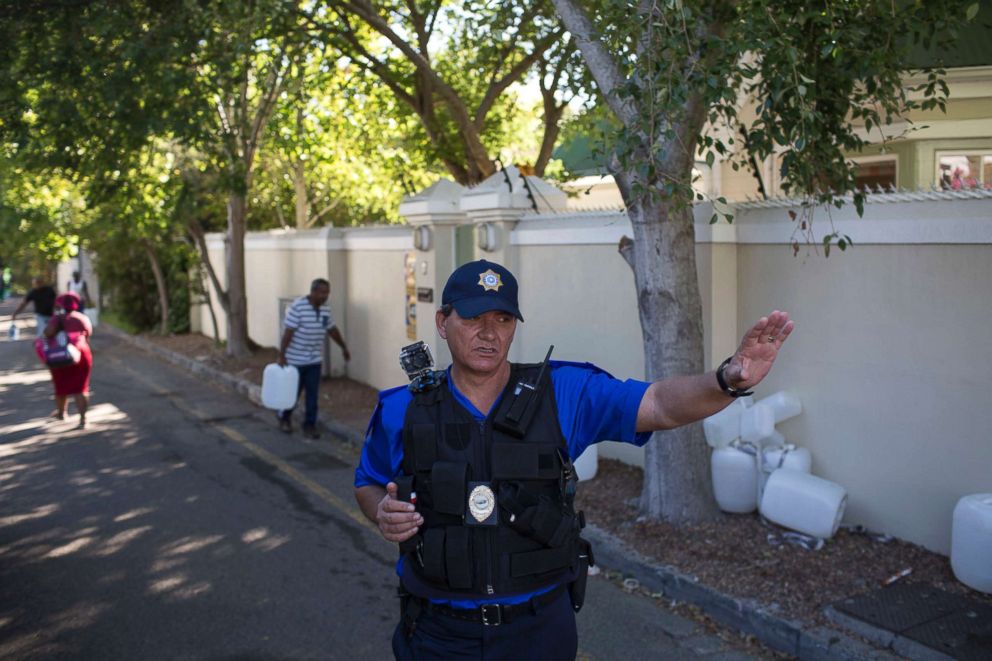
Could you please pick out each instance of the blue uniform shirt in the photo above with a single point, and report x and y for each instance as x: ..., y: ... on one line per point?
x: 592, y: 406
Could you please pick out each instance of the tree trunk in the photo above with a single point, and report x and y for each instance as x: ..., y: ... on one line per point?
x: 677, y: 485
x: 552, y: 127
x: 300, y: 197
x: 213, y: 313
x: 199, y: 238
x: 237, y: 312
x: 163, y: 293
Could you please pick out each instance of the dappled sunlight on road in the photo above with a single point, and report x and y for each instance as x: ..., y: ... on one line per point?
x: 37, y: 513
x: 166, y: 505
x: 191, y: 544
x: 79, y: 616
x: 22, y: 378
x: 262, y: 539
x: 117, y: 542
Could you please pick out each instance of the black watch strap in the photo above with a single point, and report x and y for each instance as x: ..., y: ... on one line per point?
x: 722, y: 382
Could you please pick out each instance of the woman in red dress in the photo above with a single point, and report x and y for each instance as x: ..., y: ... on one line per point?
x: 73, y: 379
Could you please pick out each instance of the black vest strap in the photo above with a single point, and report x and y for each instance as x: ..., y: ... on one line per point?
x: 424, y: 438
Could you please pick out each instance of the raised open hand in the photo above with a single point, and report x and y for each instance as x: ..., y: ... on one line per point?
x: 758, y: 350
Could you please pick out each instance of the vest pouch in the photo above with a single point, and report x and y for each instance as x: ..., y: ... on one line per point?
x: 433, y: 554
x: 458, y: 557
x: 525, y: 461
x: 552, y: 527
x: 448, y: 482
x: 447, y: 556
x: 540, y: 519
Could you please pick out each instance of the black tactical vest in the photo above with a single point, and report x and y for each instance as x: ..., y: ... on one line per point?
x: 531, y: 538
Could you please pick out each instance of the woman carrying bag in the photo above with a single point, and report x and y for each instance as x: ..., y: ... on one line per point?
x: 71, y: 378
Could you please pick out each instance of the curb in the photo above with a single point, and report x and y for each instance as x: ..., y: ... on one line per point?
x: 790, y: 636
x: 252, y: 391
x: 744, y: 615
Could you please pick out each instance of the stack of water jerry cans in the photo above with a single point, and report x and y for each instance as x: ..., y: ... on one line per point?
x: 754, y: 467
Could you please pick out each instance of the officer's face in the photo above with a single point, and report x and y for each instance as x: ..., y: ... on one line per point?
x: 479, y: 344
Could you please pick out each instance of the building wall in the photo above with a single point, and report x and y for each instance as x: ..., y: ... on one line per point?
x: 889, y: 358
x: 376, y: 330
x: 890, y: 355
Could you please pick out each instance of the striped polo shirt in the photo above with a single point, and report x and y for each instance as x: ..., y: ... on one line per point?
x: 309, y: 325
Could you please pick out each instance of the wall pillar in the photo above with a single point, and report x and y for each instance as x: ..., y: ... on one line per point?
x: 435, y: 216
x: 494, y: 208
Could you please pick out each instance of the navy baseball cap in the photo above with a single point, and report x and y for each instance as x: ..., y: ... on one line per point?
x: 479, y: 287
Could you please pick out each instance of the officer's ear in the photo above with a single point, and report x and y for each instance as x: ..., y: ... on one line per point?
x: 440, y: 320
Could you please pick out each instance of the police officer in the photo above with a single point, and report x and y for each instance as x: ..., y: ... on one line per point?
x: 469, y: 471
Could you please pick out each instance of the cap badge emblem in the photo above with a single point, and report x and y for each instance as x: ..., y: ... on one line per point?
x: 489, y: 280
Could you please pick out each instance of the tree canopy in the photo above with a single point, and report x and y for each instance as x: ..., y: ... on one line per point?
x: 752, y: 79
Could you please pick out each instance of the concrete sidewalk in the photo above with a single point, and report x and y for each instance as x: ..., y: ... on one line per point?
x: 792, y: 637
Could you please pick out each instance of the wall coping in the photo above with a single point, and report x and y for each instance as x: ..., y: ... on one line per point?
x: 935, y: 217
x: 369, y: 238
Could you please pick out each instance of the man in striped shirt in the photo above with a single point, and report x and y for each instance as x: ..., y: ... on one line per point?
x: 307, y: 319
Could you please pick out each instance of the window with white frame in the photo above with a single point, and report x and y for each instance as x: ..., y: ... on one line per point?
x: 962, y: 170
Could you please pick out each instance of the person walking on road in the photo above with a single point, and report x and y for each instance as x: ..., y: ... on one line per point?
x: 43, y: 297
x: 72, y: 380
x: 78, y: 286
x: 470, y: 471
x: 308, y: 318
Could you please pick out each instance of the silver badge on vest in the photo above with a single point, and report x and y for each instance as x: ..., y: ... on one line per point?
x: 481, y: 505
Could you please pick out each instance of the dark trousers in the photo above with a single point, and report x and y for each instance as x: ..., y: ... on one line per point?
x: 546, y: 635
x: 309, y: 382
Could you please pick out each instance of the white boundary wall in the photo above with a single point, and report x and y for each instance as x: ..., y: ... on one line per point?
x: 890, y: 356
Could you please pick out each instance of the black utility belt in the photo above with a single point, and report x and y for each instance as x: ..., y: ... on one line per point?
x: 494, y: 614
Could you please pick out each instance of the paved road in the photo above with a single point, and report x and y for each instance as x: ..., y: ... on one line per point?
x: 182, y: 525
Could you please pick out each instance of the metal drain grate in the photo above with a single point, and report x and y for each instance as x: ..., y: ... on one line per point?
x: 952, y: 624
x: 965, y: 635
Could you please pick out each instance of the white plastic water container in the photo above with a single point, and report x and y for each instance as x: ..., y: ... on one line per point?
x: 784, y: 456
x: 725, y: 426
x: 757, y: 422
x: 775, y: 440
x: 14, y: 331
x: 587, y: 463
x: 784, y: 405
x: 279, y: 386
x: 971, y: 541
x: 735, y: 480
x: 804, y: 502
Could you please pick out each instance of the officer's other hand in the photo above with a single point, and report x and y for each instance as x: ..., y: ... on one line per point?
x: 398, y: 520
x: 758, y: 350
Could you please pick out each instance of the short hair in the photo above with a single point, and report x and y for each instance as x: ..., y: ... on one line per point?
x: 447, y: 309
x: 319, y: 282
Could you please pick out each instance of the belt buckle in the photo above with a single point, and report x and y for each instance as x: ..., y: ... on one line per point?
x: 492, y: 614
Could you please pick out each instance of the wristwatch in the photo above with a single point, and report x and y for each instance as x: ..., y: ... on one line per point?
x: 722, y: 382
